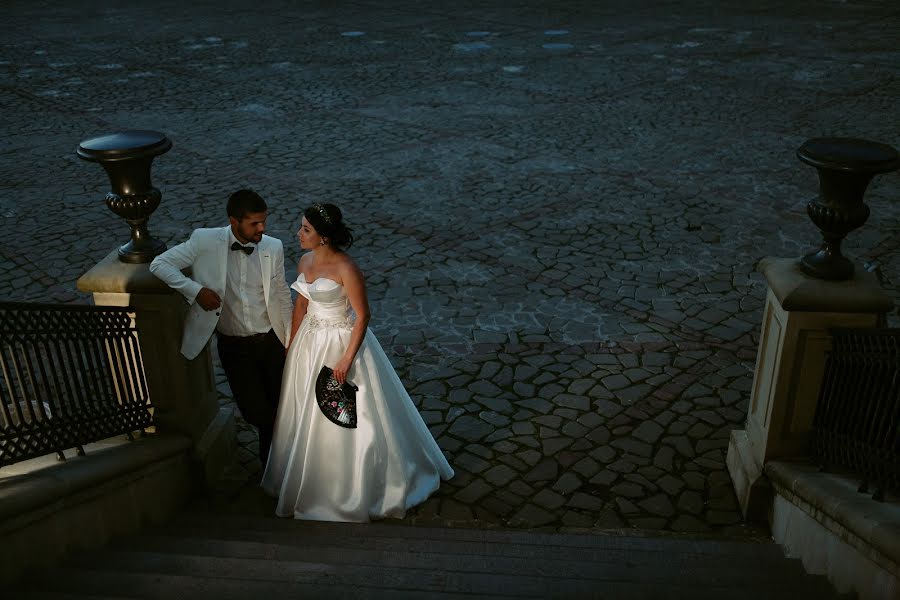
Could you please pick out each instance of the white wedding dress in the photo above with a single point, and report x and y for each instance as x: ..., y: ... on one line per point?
x: 323, y: 472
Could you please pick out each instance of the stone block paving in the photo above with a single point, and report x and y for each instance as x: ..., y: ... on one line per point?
x: 559, y: 207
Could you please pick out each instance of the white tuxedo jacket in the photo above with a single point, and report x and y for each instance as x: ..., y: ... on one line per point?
x: 206, y: 253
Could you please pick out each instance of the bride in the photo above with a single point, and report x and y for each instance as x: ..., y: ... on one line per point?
x: 320, y: 466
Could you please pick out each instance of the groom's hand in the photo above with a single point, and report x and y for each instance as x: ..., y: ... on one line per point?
x: 208, y: 299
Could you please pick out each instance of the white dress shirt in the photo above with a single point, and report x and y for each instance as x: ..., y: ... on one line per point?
x: 244, y: 304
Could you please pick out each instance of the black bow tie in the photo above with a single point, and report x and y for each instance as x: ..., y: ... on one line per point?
x: 248, y: 250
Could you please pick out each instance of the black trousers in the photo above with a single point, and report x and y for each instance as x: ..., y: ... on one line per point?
x: 253, y: 366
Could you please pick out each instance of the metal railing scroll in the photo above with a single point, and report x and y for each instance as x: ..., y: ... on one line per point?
x: 857, y: 420
x: 69, y: 375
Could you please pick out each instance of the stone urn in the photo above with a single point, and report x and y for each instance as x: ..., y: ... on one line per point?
x: 127, y: 156
x: 845, y: 166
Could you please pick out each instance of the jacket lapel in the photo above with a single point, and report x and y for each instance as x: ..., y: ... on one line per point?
x: 222, y: 248
x: 265, y: 263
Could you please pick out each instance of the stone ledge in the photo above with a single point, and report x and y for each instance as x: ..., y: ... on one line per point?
x: 48, y: 509
x: 754, y: 493
x: 113, y: 276
x: 797, y: 291
x: 29, y: 486
x: 872, y: 528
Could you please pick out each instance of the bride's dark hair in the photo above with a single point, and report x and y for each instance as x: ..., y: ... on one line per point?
x: 328, y: 222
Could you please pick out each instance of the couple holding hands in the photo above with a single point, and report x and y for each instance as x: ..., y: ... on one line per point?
x: 339, y: 437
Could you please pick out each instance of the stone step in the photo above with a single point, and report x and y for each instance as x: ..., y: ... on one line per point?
x: 20, y: 593
x: 291, y: 545
x: 155, y: 586
x: 216, y: 525
x: 204, y: 555
x: 311, y: 580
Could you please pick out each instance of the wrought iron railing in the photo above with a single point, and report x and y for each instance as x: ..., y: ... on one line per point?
x: 69, y: 375
x: 857, y: 420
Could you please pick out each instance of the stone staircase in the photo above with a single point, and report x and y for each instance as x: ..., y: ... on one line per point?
x: 205, y: 555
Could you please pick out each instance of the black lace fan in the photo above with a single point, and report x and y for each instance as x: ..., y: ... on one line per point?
x: 337, y: 402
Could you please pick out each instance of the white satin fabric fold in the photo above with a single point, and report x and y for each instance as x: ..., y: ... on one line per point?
x: 321, y: 471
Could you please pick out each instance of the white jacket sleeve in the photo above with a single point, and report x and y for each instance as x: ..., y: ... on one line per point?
x: 282, y: 292
x: 168, y: 265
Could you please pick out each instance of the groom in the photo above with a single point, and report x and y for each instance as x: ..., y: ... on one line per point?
x: 237, y: 289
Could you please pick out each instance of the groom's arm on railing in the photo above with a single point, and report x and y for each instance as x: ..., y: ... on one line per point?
x: 168, y: 265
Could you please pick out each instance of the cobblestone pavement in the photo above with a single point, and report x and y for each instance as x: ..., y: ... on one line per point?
x: 559, y: 206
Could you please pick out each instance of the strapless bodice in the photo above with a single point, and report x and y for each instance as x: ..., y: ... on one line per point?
x: 327, y: 300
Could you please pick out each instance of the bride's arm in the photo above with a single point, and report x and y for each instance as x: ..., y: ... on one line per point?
x: 355, y: 285
x: 297, y: 316
x: 300, y: 307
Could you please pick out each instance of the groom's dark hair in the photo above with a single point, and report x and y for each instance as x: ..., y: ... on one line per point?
x: 245, y: 201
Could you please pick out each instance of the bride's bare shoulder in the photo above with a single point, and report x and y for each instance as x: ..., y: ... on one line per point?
x: 348, y: 266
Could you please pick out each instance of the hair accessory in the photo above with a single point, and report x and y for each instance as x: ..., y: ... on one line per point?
x: 322, y: 212
x: 337, y: 402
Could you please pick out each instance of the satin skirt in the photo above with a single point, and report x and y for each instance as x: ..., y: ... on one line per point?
x: 320, y: 471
